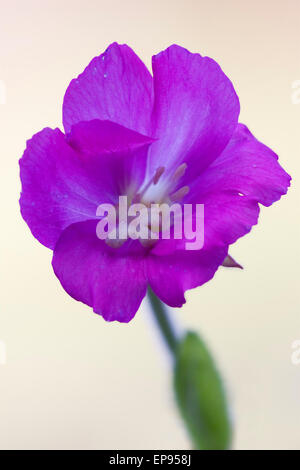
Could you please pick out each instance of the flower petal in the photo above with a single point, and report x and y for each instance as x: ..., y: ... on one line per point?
x: 246, y: 166
x: 55, y: 193
x: 245, y: 174
x: 110, y: 280
x: 227, y: 217
x: 123, y: 153
x: 98, y: 137
x: 171, y: 275
x: 116, y: 86
x: 195, y: 110
x: 62, y: 186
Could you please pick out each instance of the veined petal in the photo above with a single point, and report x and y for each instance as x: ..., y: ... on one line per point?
x: 62, y: 184
x: 245, y: 174
x: 247, y: 167
x: 56, y: 190
x: 171, y: 275
x: 116, y: 86
x: 98, y: 137
x: 195, y: 110
x: 123, y: 153
x: 110, y: 280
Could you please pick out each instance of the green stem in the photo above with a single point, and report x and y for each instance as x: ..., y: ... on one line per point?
x: 163, y: 321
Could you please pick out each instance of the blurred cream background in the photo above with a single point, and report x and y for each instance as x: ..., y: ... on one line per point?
x: 73, y: 381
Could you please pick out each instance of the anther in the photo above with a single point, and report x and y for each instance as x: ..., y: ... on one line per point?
x: 179, y: 195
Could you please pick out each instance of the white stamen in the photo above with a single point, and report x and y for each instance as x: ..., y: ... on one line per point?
x: 160, y: 170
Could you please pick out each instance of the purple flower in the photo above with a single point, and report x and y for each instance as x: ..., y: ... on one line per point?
x: 175, y: 134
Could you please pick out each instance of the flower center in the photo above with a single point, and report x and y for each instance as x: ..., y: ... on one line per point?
x: 159, y: 190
